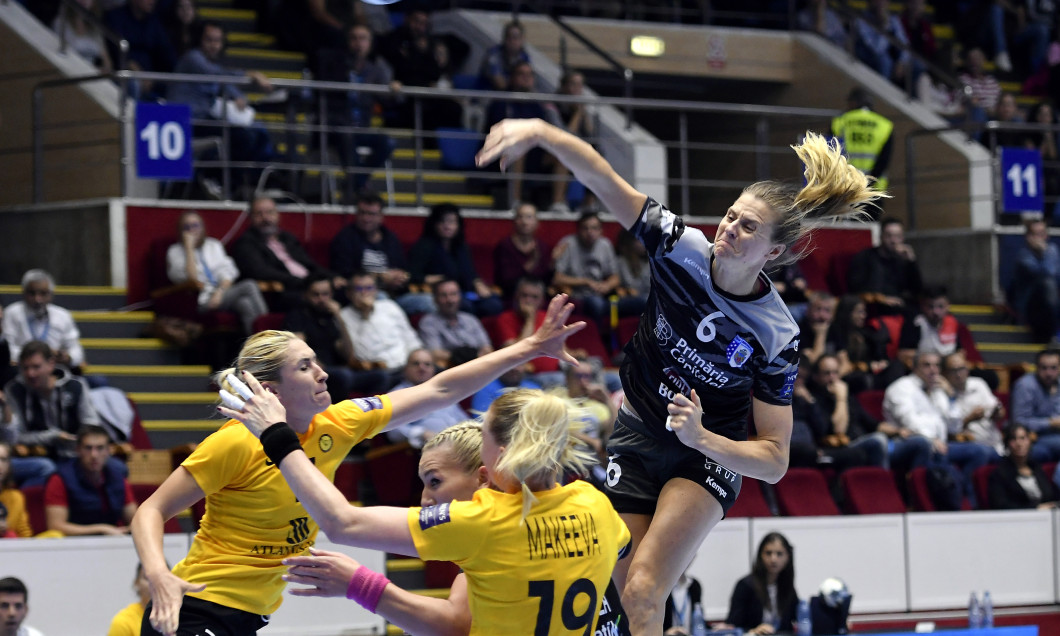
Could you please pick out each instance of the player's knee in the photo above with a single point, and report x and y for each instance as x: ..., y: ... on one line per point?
x: 643, y: 589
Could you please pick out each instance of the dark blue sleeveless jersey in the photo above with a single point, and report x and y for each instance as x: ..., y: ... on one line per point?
x: 695, y: 336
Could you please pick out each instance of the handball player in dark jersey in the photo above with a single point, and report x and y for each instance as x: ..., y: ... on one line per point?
x: 715, y: 332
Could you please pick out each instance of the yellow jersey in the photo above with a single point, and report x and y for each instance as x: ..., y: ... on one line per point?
x: 546, y: 575
x: 127, y: 622
x: 252, y: 519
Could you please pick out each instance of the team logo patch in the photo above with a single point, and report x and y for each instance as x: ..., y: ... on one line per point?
x: 738, y: 351
x: 663, y: 330
x: 368, y: 403
x: 326, y: 442
x: 789, y: 385
x: 434, y: 516
x: 676, y: 381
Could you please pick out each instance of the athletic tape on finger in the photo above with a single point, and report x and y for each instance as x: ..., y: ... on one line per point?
x: 669, y: 418
x: 242, y: 389
x: 230, y: 400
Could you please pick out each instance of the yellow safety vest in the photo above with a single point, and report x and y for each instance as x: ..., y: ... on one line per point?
x: 863, y: 134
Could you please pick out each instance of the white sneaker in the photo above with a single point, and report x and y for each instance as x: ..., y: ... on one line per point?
x: 1003, y: 63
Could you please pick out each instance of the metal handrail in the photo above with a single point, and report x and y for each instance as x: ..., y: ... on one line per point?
x: 760, y: 112
x: 624, y: 71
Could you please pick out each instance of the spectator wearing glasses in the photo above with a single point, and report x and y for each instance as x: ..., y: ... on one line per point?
x: 418, y: 369
x: 379, y: 330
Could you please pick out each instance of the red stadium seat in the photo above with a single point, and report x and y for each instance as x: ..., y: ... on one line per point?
x: 271, y: 320
x: 392, y: 470
x: 751, y: 502
x: 141, y: 492
x: 872, y: 402
x: 35, y: 507
x: 870, y: 490
x: 348, y: 479
x: 981, y: 481
x: 1049, y: 468
x: 803, y: 492
x: 919, y: 495
x: 589, y: 340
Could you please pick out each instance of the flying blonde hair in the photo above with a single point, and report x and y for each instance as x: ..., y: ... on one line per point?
x: 537, y: 433
x: 834, y: 190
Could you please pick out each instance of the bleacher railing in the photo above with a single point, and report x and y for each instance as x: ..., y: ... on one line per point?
x: 770, y: 130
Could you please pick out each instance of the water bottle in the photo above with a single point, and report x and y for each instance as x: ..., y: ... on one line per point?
x: 987, y: 621
x: 975, y: 613
x: 803, y: 622
x: 699, y: 624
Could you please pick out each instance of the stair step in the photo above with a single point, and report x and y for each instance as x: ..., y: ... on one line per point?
x: 74, y: 298
x: 990, y: 333
x: 112, y: 324
x: 154, y: 378
x: 225, y: 13
x: 462, y: 200
x: 1008, y: 353
x: 182, y: 425
x: 251, y: 39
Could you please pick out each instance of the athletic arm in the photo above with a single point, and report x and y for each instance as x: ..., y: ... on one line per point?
x: 512, y: 138
x: 328, y: 574
x: 178, y: 492
x: 455, y: 384
x: 765, y: 457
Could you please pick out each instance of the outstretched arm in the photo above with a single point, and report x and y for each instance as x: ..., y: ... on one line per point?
x: 764, y: 458
x: 455, y: 384
x: 377, y: 527
x: 329, y: 574
x: 512, y: 138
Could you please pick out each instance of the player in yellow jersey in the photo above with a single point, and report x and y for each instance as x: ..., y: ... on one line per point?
x: 127, y: 621
x: 537, y: 556
x: 232, y: 573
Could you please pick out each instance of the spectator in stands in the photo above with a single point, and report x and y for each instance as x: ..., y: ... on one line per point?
x: 519, y: 322
x: 248, y: 141
x: 83, y: 35
x: 203, y: 260
x: 920, y: 402
x: 521, y: 80
x: 149, y: 45
x: 418, y: 369
x: 1032, y: 293
x: 1007, y: 112
x: 48, y: 406
x: 874, y: 48
x: 452, y: 336
x: 1019, y: 481
x: 974, y: 409
x: 634, y: 274
x: 578, y: 119
x: 1035, y: 20
x: 441, y: 252
x: 887, y: 276
x: 791, y: 284
x: 1045, y: 142
x: 866, y: 137
x: 180, y: 22
x: 815, y: 325
x: 848, y: 425
x: 368, y: 245
x: 764, y: 602
x: 318, y: 321
x: 681, y: 605
x: 11, y: 497
x: 355, y: 64
x: 586, y: 267
x: 36, y: 318
x: 818, y: 17
x: 985, y: 89
x: 861, y: 348
x: 381, y: 334
x: 920, y: 29
x: 521, y: 253
x: 936, y: 329
x: 809, y: 424
x: 271, y: 255
x: 14, y: 605
x: 89, y: 495
x: 589, y: 403
x: 500, y: 59
x: 127, y: 621
x: 514, y: 378
x: 1035, y: 404
x: 418, y: 58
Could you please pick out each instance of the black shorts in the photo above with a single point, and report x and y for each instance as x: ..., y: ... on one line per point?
x: 206, y: 618
x: 639, y: 465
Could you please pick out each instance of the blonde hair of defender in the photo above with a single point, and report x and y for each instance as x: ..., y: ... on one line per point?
x: 834, y: 190
x: 537, y: 433
x: 465, y: 442
x: 263, y: 354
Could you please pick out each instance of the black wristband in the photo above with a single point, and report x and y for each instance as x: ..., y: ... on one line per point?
x: 279, y: 441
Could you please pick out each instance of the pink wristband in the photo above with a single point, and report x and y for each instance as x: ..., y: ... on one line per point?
x: 366, y: 587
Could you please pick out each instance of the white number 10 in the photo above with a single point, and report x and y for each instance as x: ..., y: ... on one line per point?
x: 167, y: 138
